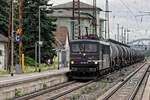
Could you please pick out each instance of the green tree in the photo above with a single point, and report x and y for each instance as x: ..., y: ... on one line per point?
x: 4, y: 17
x: 31, y: 29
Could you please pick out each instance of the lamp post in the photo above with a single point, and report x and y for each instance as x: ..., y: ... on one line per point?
x: 40, y: 42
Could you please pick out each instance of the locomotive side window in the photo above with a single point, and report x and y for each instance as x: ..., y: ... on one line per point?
x: 90, y: 47
x: 77, y: 47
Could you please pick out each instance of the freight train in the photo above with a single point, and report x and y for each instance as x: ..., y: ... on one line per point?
x: 90, y: 58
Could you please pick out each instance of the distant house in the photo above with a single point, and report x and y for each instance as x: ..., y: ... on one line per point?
x: 62, y: 45
x: 63, y: 13
x: 3, y: 52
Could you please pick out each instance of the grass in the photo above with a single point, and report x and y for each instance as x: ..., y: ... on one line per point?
x: 86, y: 90
x: 3, y: 73
x: 101, y: 86
x: 18, y: 92
x: 29, y: 69
x: 75, y: 96
x: 104, y: 83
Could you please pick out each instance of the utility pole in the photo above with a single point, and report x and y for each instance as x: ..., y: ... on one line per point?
x: 106, y: 21
x: 118, y: 31
x: 39, y: 40
x: 35, y: 56
x: 20, y: 28
x: 122, y: 37
x: 73, y: 18
x: 79, y: 17
x: 107, y: 31
x: 59, y: 48
x: 9, y: 37
x: 127, y: 38
x: 107, y: 14
x: 115, y: 37
x: 95, y: 17
x: 76, y: 9
x: 125, y: 35
x: 12, y: 39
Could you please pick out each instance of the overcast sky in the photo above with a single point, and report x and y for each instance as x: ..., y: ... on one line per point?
x: 125, y: 13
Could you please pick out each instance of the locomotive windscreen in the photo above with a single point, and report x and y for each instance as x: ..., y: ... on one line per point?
x: 84, y: 47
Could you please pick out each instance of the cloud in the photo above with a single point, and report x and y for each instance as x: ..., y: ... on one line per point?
x: 125, y: 13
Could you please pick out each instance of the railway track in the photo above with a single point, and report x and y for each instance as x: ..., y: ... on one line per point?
x: 30, y: 96
x: 58, y: 90
x: 128, y: 88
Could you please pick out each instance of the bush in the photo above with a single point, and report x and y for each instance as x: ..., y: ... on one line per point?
x: 29, y: 61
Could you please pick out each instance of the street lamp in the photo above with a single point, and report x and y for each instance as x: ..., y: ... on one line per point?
x: 40, y: 42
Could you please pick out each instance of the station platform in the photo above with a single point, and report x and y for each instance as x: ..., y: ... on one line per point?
x: 30, y: 83
x: 19, y: 78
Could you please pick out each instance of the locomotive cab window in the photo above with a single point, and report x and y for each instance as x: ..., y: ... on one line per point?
x: 84, y: 47
x: 77, y: 47
x: 90, y: 47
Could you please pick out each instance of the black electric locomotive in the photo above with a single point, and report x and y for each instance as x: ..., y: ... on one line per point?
x: 92, y: 58
x: 88, y: 57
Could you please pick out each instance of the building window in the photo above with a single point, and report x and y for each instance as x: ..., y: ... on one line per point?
x: 0, y: 52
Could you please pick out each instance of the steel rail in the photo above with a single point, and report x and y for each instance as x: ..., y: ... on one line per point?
x: 55, y: 87
x: 128, y: 77
x: 35, y: 94
x: 73, y: 89
x: 138, y: 85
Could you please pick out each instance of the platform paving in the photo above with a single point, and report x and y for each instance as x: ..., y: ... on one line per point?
x: 22, y: 77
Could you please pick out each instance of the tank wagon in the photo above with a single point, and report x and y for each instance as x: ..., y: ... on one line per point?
x: 92, y: 58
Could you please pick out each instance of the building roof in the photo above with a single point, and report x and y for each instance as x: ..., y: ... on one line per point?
x: 3, y: 38
x: 64, y: 14
x: 61, y: 37
x: 69, y: 5
x: 67, y: 14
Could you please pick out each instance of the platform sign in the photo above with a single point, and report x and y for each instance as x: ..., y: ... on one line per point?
x: 17, y: 38
x: 18, y: 31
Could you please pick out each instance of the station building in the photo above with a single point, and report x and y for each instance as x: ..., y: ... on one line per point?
x: 3, y: 52
x: 63, y: 14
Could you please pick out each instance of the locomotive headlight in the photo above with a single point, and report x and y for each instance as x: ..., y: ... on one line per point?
x: 84, y: 54
x: 72, y: 62
x: 96, y: 63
